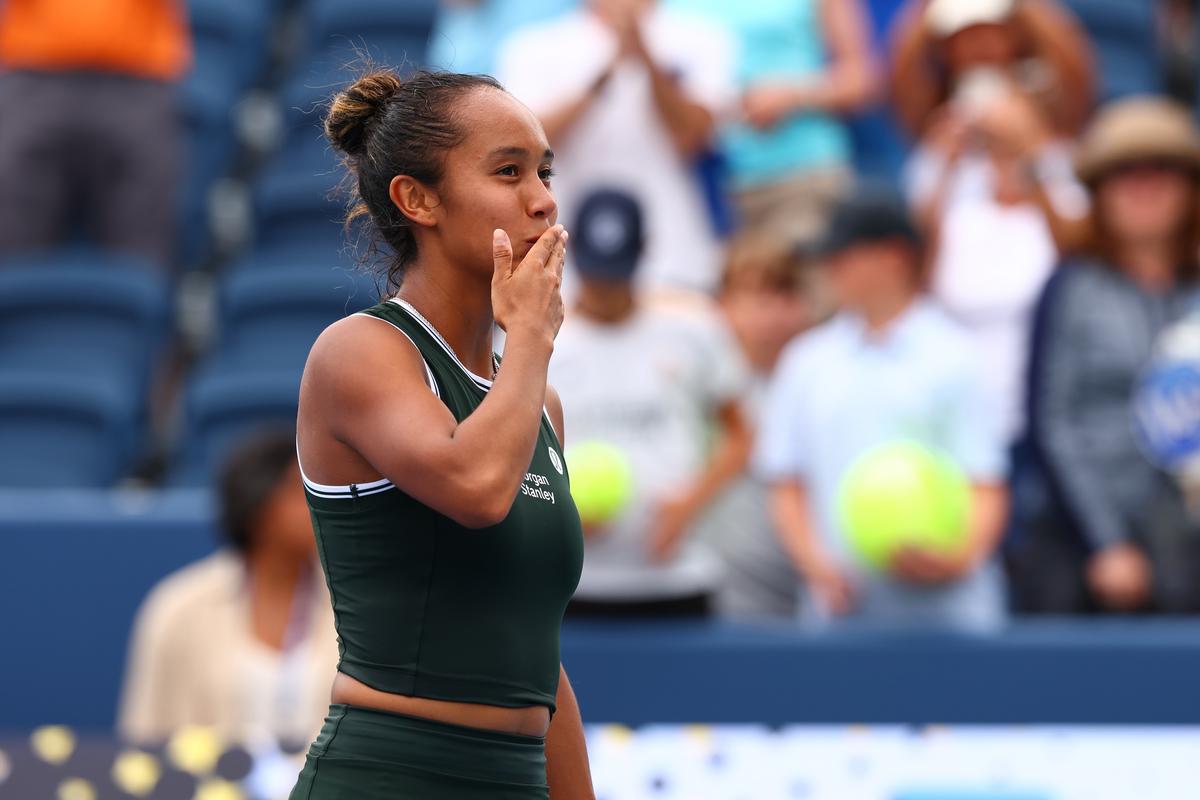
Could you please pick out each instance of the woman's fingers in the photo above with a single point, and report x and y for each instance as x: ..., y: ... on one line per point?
x: 560, y: 256
x: 543, y: 252
x: 502, y: 254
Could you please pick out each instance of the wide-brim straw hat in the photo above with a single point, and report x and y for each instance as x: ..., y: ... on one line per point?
x: 1136, y: 130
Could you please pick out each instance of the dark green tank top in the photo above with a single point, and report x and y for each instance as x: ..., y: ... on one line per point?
x: 428, y: 608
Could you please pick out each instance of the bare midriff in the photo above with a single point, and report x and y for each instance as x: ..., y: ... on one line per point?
x: 527, y: 721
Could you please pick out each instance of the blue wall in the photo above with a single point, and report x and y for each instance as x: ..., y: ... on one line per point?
x: 74, y: 566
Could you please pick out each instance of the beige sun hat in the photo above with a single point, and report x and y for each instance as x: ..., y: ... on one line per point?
x: 1138, y: 129
x: 947, y: 17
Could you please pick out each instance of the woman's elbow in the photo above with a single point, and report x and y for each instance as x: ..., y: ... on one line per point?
x: 483, y: 501
x: 863, y: 87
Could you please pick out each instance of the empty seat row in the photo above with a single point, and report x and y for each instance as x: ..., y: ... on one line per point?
x: 81, y: 336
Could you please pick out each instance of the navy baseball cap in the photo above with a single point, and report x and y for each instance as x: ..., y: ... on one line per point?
x: 608, y: 237
x: 871, y: 212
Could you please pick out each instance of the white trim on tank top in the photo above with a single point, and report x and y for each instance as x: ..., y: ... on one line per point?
x: 351, y: 491
x: 483, y: 383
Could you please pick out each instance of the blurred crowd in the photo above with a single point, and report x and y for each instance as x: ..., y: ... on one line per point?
x: 801, y: 229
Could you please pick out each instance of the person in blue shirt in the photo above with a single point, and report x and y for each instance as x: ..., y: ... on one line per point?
x: 467, y: 34
x: 803, y: 64
x: 889, y: 366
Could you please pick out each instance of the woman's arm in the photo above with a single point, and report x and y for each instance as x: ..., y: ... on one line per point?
x: 1059, y: 39
x: 1056, y: 375
x: 727, y: 461
x: 916, y: 90
x: 366, y: 386
x: 1119, y: 572
x: 559, y: 121
x: 845, y: 86
x: 792, y: 516
x: 567, y: 768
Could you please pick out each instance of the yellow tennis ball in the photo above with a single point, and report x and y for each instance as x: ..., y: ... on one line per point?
x: 53, y: 743
x: 601, y: 480
x: 194, y: 749
x: 136, y: 773
x: 903, y: 494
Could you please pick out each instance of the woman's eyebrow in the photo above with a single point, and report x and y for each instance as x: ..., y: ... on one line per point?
x: 518, y: 152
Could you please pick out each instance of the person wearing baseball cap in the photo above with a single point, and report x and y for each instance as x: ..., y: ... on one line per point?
x: 1115, y: 533
x: 889, y: 366
x: 662, y: 385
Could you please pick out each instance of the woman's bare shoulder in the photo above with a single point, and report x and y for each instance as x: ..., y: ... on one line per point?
x: 358, y: 340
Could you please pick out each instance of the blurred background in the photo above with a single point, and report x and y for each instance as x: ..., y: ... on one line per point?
x: 881, y: 374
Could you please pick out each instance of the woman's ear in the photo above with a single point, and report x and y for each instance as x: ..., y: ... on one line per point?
x: 415, y: 200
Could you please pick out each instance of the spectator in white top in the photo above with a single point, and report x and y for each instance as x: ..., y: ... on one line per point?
x: 662, y: 385
x: 241, y: 641
x: 891, y: 366
x: 629, y: 92
x: 993, y: 187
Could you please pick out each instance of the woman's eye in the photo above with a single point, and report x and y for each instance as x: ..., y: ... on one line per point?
x: 510, y: 170
x: 546, y: 174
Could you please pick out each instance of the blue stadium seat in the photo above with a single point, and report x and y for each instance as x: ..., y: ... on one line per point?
x: 1124, y: 35
x: 271, y: 316
x: 230, y: 49
x: 338, y: 23
x: 232, y: 33
x: 297, y: 202
x: 83, y: 312
x: 223, y: 407
x: 340, y: 35
x: 68, y: 429
x: 211, y: 147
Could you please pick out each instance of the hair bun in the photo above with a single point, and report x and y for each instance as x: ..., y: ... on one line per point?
x: 353, y: 109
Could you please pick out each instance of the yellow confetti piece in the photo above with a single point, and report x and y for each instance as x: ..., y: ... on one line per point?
x: 53, y: 743
x: 136, y: 773
x: 194, y: 749
x: 76, y: 789
x: 217, y: 789
x: 619, y: 734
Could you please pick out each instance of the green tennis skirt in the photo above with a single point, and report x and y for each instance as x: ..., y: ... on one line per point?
x: 364, y: 754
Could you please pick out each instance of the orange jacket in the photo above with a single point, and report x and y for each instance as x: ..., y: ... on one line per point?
x: 146, y: 38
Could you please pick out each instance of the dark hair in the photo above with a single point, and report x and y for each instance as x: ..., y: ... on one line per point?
x: 249, y: 476
x: 385, y: 126
x: 1100, y: 243
x: 763, y: 261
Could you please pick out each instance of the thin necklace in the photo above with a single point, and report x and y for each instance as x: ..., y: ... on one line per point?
x: 433, y: 329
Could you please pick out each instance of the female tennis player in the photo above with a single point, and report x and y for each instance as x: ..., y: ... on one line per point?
x: 435, y: 476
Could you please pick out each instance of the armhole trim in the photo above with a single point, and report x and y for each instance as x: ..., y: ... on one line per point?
x: 430, y: 381
x: 356, y: 490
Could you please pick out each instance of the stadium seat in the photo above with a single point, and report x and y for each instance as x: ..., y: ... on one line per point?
x: 223, y: 407
x: 340, y: 36
x: 297, y: 202
x: 83, y: 312
x: 271, y: 316
x: 65, y: 429
x: 230, y: 52
x: 340, y: 23
x: 231, y: 33
x: 1125, y: 38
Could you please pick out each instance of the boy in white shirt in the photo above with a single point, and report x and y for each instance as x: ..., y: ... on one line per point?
x: 662, y: 385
